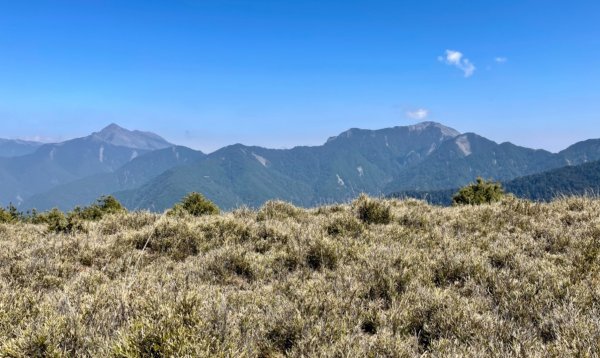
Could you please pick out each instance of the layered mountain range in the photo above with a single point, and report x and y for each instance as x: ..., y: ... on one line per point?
x: 145, y: 171
x: 582, y: 179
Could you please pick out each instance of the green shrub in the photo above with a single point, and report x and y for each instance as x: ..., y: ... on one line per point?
x: 103, y: 206
x: 344, y: 225
x: 480, y: 192
x: 10, y: 214
x: 110, y: 205
x: 321, y: 255
x: 5, y: 216
x: 372, y: 211
x: 197, y: 205
x: 57, y: 221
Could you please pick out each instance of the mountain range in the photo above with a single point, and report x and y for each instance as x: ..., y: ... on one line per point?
x: 16, y: 147
x: 582, y: 179
x: 145, y: 171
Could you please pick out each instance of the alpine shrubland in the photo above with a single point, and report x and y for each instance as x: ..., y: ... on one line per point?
x: 480, y: 192
x: 379, y: 278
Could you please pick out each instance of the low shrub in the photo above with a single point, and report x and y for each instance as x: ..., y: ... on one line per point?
x: 195, y: 204
x: 344, y: 225
x: 57, y: 221
x: 104, y: 205
x: 480, y: 192
x: 321, y: 255
x: 11, y: 214
x: 5, y: 216
x: 278, y: 210
x: 282, y: 338
x: 372, y: 211
x: 232, y: 263
x: 174, y: 238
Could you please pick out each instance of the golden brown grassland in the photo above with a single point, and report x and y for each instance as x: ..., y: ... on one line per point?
x: 509, y: 279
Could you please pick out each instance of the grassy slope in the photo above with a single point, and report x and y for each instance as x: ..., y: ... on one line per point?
x: 511, y: 279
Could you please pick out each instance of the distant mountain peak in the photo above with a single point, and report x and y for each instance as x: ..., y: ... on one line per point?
x: 446, y: 131
x: 113, y: 127
x: 119, y: 136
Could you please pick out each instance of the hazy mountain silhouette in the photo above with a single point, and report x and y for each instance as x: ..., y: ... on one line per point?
x: 145, y: 171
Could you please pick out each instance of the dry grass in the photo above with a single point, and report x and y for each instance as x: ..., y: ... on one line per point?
x: 510, y: 279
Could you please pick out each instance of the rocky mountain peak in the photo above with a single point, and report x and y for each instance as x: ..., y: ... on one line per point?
x: 119, y: 136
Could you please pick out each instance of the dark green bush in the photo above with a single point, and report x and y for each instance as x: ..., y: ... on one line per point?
x: 372, y: 211
x: 10, y: 214
x: 59, y: 222
x: 321, y: 255
x: 103, y: 206
x: 480, y: 192
x: 5, y: 216
x: 195, y: 204
x: 56, y: 220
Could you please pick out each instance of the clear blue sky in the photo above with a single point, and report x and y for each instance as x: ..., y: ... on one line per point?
x: 281, y: 73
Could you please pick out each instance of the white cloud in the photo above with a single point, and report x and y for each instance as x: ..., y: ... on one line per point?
x: 457, y: 59
x: 501, y: 59
x: 418, y: 114
x: 42, y: 139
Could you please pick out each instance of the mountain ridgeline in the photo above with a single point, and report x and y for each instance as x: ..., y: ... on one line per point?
x: 145, y: 171
x: 578, y: 180
x: 15, y: 147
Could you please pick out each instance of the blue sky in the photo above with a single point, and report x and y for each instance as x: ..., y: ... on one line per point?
x: 281, y: 73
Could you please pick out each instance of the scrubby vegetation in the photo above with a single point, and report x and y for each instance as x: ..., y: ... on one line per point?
x: 371, y: 278
x: 480, y: 192
x: 194, y: 204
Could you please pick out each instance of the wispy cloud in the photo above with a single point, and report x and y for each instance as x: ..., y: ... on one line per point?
x: 42, y: 139
x: 418, y: 114
x: 501, y: 59
x: 457, y: 59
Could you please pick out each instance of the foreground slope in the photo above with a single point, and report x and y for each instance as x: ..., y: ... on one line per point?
x: 511, y: 279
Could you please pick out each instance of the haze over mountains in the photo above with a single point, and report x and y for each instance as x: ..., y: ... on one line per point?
x: 16, y: 147
x: 145, y: 171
